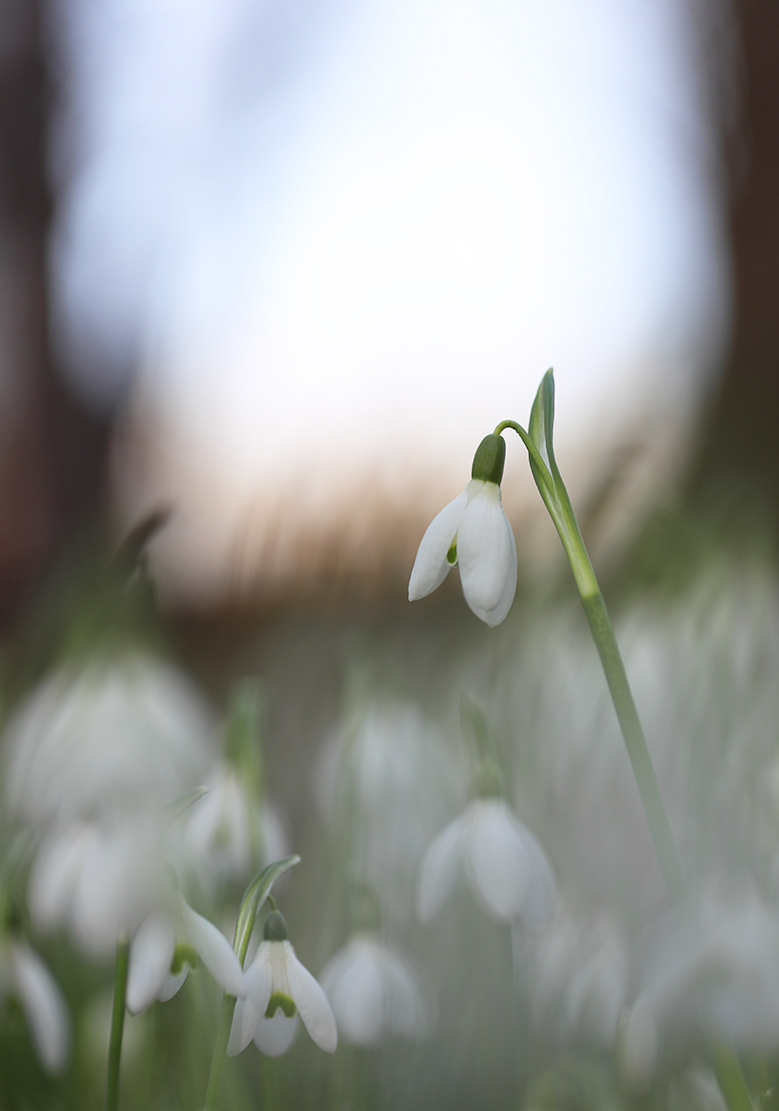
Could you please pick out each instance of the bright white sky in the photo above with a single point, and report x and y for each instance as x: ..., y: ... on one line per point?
x: 306, y: 224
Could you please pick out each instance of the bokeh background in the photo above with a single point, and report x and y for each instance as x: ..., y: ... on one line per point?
x: 276, y: 268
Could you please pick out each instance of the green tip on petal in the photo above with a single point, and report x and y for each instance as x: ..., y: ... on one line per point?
x: 489, y: 459
x: 280, y: 1001
x: 184, y: 954
x: 275, y: 927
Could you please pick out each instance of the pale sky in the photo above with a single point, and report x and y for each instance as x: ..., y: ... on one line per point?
x: 327, y: 240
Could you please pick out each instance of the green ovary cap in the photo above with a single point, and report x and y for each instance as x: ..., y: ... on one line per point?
x: 275, y: 927
x: 489, y: 459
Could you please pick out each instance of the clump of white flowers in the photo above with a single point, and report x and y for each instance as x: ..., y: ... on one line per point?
x: 93, y: 759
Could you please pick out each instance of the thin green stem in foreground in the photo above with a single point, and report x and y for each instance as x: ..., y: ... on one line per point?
x: 117, y: 1023
x: 220, y: 1050
x: 540, y: 445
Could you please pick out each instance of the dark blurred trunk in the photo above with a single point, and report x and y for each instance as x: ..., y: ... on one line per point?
x: 51, y: 451
x: 743, y: 437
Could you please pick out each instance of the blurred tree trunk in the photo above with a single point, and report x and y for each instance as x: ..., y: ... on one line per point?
x: 51, y: 452
x: 743, y: 435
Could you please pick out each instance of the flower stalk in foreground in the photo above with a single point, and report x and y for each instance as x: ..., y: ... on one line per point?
x: 117, y: 1024
x: 543, y: 465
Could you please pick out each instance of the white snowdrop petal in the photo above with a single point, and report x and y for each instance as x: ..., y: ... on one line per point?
x: 439, y: 868
x: 44, y: 1007
x: 275, y: 1035
x: 172, y: 984
x: 354, y: 983
x: 494, y: 616
x: 496, y: 860
x: 54, y: 874
x: 250, y: 1011
x: 311, y: 1002
x: 407, y: 1010
x: 214, y: 950
x: 431, y: 566
x: 540, y: 901
x: 151, y: 953
x: 640, y: 1046
x: 100, y: 895
x: 275, y: 844
x: 487, y: 554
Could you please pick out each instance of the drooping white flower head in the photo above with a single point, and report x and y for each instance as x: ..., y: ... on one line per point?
x: 98, y: 878
x: 159, y: 961
x: 23, y: 974
x: 93, y: 760
x: 474, y: 531
x: 125, y: 732
x: 229, y: 834
x: 387, y: 759
x: 579, y: 976
x: 375, y: 992
x: 278, y: 990
x: 499, y: 858
x: 710, y: 957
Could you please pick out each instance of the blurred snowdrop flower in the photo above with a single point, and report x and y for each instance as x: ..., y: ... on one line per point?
x: 93, y: 759
x: 580, y: 977
x: 391, y: 778
x: 374, y: 993
x: 718, y: 959
x: 165, y: 946
x: 474, y: 531
x: 126, y: 731
x: 229, y: 833
x: 24, y: 975
x: 278, y: 989
x: 500, y: 859
x: 98, y: 878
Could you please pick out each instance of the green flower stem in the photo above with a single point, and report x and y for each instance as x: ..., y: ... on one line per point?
x: 728, y: 1069
x: 117, y: 1023
x: 540, y: 446
x: 726, y: 1064
x: 220, y: 1050
x: 643, y: 768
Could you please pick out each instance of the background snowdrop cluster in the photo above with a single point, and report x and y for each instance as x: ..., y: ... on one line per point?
x: 458, y: 905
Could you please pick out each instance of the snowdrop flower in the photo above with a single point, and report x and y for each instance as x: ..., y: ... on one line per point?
x: 98, y: 878
x: 374, y: 992
x: 474, y: 531
x: 501, y: 860
x: 580, y: 976
x: 92, y: 761
x: 23, y: 974
x: 162, y: 950
x: 388, y: 759
x: 278, y: 989
x: 125, y: 732
x: 230, y: 832
x: 716, y: 958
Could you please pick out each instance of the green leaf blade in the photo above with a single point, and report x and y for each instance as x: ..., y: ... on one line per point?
x: 254, y: 896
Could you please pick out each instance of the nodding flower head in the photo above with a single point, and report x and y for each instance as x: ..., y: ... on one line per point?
x: 278, y: 991
x: 474, y: 531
